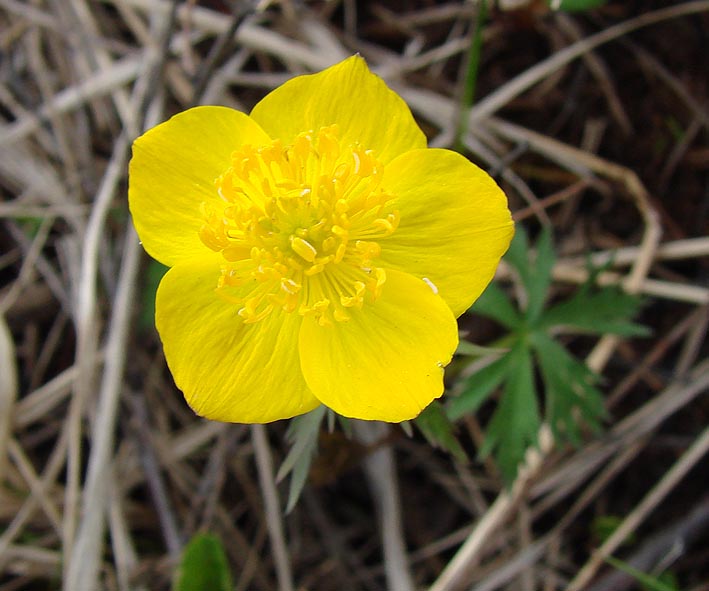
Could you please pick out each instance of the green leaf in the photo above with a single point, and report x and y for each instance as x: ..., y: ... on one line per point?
x: 153, y: 275
x: 607, y: 310
x: 570, y: 394
x: 203, y: 566
x: 496, y: 305
x: 477, y: 389
x: 667, y: 578
x: 515, y: 424
x: 534, y: 272
x: 575, y: 5
x: 438, y: 430
x: 538, y: 279
x: 30, y: 225
x: 469, y: 349
x: 648, y: 581
x: 471, y: 75
x: 518, y: 253
x: 303, y: 433
x: 603, y: 527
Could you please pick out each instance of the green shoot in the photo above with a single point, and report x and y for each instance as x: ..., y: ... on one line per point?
x: 649, y: 582
x: 471, y: 73
x: 575, y: 5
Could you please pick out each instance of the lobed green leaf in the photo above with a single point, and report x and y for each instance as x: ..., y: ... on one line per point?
x: 477, y: 388
x: 534, y: 272
x: 607, y: 310
x: 496, y: 305
x: 514, y: 426
x: 570, y: 395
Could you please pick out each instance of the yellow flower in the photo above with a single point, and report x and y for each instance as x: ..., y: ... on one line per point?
x: 319, y: 252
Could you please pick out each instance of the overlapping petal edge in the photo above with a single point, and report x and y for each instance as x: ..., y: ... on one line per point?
x: 387, y: 362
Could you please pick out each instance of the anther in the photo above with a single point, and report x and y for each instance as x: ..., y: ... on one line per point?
x: 292, y: 212
x: 303, y: 248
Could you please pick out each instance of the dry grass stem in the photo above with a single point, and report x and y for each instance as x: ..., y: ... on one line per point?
x: 380, y: 469
x: 8, y: 390
x: 272, y: 508
x: 669, y: 481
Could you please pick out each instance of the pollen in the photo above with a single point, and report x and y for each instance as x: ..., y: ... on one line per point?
x: 298, y: 227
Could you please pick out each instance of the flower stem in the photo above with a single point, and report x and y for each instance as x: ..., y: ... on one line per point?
x: 471, y: 73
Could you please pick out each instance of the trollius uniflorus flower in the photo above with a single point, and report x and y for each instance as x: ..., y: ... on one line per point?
x: 319, y: 252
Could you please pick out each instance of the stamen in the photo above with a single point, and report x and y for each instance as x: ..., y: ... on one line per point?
x: 303, y: 248
x: 298, y: 228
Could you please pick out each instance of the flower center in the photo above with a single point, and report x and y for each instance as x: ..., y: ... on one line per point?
x: 298, y: 227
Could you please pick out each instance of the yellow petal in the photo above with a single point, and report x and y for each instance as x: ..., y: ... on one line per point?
x: 349, y: 95
x: 454, y: 225
x: 228, y: 371
x: 387, y: 362
x: 172, y: 173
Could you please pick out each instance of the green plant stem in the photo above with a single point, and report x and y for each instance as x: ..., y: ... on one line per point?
x: 649, y: 581
x: 471, y: 74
